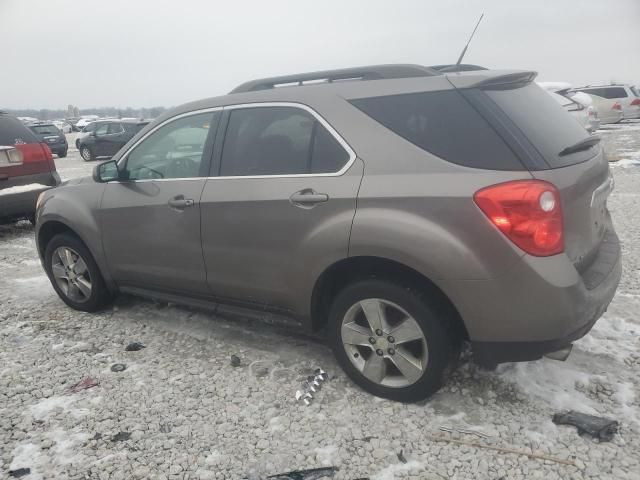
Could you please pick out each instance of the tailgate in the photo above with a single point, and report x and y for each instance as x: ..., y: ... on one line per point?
x: 584, y: 189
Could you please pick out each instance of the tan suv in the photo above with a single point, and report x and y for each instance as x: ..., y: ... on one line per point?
x: 397, y: 209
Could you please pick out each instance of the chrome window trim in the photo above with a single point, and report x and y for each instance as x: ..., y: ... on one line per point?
x: 302, y: 106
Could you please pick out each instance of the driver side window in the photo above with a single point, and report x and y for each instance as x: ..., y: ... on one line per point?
x: 174, y: 150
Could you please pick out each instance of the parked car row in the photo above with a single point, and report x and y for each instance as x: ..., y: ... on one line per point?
x: 103, y: 138
x: 596, y: 105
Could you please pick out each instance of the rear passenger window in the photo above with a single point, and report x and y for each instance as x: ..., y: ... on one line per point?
x: 279, y: 141
x: 444, y: 124
x: 607, y: 92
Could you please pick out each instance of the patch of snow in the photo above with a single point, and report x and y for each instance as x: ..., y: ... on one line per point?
x: 23, y: 188
x: 63, y: 450
x: 390, y: 471
x: 27, y: 455
x: 42, y: 410
x: 275, y: 424
x: 326, y: 455
x: 552, y: 382
x: 611, y: 336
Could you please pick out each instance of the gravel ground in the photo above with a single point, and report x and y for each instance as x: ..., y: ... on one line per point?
x: 180, y: 410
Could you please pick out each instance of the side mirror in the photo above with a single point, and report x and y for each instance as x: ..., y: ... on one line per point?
x: 106, y: 172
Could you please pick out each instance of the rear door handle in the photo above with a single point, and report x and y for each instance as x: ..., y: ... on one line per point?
x: 180, y: 203
x: 308, y: 198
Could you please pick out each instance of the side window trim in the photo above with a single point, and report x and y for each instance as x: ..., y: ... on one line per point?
x: 319, y: 118
x: 207, y: 153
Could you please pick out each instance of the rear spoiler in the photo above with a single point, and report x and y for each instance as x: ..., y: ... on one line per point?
x: 507, y: 81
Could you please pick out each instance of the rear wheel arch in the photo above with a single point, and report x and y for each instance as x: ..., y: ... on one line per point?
x: 349, y: 270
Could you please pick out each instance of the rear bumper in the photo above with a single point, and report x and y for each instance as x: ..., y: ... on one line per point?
x: 13, y: 205
x: 541, y: 306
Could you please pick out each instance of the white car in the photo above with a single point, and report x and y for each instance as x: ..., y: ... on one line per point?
x: 627, y: 95
x: 609, y: 110
x: 64, y: 127
x: 579, y: 105
x: 84, y: 121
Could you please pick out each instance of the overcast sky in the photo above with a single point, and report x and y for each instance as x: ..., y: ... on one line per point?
x: 144, y: 53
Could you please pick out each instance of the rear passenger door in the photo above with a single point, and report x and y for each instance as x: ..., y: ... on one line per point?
x: 279, y: 205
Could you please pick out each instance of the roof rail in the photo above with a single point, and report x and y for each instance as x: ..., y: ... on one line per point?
x: 372, y: 72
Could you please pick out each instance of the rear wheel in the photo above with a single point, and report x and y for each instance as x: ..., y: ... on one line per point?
x: 390, y: 339
x: 74, y: 274
x: 86, y: 153
x: 62, y: 154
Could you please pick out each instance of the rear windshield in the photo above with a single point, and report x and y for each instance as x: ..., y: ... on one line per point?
x: 544, y: 122
x: 13, y: 132
x: 607, y: 92
x: 45, y: 129
x: 444, y: 124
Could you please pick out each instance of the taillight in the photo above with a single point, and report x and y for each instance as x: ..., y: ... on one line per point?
x: 616, y: 106
x: 635, y: 101
x: 49, y: 156
x: 528, y: 212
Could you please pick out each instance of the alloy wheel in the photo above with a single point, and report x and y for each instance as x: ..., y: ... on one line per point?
x: 85, y: 153
x: 71, y: 274
x: 384, y: 343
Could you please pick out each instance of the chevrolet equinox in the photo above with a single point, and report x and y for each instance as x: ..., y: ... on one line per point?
x: 398, y: 210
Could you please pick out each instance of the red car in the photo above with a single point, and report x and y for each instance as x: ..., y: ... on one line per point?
x: 26, y: 169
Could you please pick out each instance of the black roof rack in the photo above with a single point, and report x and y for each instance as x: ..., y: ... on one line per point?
x: 372, y: 72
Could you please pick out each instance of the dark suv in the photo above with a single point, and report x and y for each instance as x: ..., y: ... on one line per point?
x: 51, y: 135
x: 397, y: 209
x: 26, y: 169
x: 107, y: 137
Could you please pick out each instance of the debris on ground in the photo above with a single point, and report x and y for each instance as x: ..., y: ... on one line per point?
x: 310, y: 474
x: 84, y: 384
x: 134, y: 347
x: 121, y: 437
x: 235, y: 361
x: 118, y: 367
x: 598, y: 427
x: 463, y: 430
x: 401, y: 457
x: 19, y: 472
x: 311, y: 385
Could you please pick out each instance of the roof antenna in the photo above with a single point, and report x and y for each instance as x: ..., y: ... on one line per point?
x: 464, y: 50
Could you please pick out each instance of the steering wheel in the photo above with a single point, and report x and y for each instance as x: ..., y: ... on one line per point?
x: 182, y: 168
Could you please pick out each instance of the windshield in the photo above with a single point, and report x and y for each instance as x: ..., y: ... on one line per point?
x: 544, y: 122
x: 45, y: 129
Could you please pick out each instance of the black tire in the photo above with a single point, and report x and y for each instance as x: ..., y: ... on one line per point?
x: 86, y: 153
x: 62, y: 154
x: 443, y: 348
x: 100, y: 295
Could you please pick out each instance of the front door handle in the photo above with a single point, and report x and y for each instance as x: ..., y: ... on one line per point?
x: 180, y: 203
x: 308, y: 198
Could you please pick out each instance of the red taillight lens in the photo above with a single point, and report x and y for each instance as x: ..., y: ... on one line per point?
x: 616, y: 106
x: 528, y: 212
x: 635, y: 101
x: 49, y: 156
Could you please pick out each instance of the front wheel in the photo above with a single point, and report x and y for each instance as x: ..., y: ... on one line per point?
x: 86, y: 153
x: 390, y: 339
x: 74, y: 274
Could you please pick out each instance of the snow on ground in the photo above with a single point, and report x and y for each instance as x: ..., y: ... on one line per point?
x: 181, y: 411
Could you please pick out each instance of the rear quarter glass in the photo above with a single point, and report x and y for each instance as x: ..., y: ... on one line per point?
x: 445, y: 124
x: 544, y: 122
x: 13, y: 132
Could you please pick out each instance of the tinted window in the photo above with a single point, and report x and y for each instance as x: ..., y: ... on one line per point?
x: 544, y: 122
x: 45, y: 129
x: 90, y: 128
x: 102, y: 129
x: 278, y: 141
x: 133, y: 127
x: 115, y: 128
x: 445, y: 124
x: 607, y: 92
x: 13, y: 132
x: 174, y: 151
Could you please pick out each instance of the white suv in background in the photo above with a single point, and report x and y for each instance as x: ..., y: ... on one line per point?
x: 627, y: 95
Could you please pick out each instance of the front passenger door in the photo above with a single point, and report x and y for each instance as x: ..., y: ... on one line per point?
x: 151, y: 218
